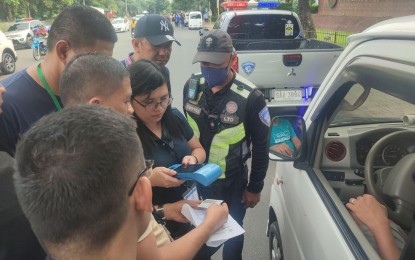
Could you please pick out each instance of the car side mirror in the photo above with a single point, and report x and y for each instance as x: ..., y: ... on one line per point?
x: 202, y: 31
x: 286, y: 138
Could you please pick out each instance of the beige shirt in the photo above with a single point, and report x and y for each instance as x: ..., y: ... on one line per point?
x: 161, y: 234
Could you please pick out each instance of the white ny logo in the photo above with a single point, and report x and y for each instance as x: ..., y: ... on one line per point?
x: 164, y: 26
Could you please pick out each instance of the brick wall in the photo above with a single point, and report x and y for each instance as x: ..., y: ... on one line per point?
x: 357, y: 15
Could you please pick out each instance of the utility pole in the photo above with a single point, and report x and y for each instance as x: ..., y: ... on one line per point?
x: 126, y: 8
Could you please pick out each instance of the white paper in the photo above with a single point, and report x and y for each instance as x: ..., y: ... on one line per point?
x: 229, y: 230
x: 206, y: 203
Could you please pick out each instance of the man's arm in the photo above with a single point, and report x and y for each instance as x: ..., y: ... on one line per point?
x: 297, y: 142
x: 188, y: 245
x: 370, y: 212
x: 258, y: 124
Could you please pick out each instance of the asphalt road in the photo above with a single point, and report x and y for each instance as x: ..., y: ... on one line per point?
x: 181, y: 68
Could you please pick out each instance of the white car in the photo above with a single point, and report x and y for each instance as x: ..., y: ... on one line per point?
x: 121, y: 24
x: 8, y: 55
x: 195, y: 20
x: 21, y: 33
x: 357, y: 137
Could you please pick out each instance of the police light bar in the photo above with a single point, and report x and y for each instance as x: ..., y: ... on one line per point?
x: 231, y: 5
x: 268, y: 4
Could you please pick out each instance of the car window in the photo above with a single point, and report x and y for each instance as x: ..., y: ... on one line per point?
x: 195, y: 16
x: 267, y: 26
x: 18, y: 27
x: 378, y: 106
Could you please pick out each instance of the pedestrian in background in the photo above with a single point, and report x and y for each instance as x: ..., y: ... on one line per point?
x: 206, y: 17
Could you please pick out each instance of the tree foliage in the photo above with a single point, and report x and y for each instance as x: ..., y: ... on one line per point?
x: 305, y: 18
x: 46, y: 9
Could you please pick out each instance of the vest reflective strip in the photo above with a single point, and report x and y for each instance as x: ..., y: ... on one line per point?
x: 194, y: 126
x: 219, y: 148
x: 242, y: 92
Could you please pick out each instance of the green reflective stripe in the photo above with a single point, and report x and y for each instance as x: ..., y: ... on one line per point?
x: 194, y: 126
x: 245, y: 81
x: 242, y: 92
x: 220, y: 145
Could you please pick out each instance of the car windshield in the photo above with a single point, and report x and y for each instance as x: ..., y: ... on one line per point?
x: 117, y: 21
x: 18, y: 27
x: 371, y: 106
x: 195, y: 16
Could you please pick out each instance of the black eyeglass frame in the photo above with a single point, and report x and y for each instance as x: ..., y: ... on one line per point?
x: 155, y: 104
x: 149, y: 165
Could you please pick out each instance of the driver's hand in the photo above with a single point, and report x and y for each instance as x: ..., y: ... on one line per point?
x: 367, y: 210
x: 283, y: 149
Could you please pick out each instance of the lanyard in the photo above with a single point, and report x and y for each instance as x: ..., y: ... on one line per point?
x: 47, y: 87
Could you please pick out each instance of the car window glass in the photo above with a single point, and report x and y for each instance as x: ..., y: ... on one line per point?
x: 378, y: 107
x: 260, y: 27
x: 195, y: 16
x: 18, y: 27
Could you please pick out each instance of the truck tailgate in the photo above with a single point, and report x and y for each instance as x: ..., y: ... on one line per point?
x: 267, y: 70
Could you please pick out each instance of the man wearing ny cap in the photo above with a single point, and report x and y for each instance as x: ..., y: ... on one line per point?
x: 153, y: 38
x: 228, y: 114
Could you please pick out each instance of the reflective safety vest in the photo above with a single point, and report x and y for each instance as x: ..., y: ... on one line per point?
x: 221, y: 130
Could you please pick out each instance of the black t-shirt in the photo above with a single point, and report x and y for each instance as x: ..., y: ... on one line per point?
x: 25, y: 102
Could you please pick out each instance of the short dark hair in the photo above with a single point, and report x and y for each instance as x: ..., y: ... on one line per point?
x: 88, y: 75
x: 81, y: 26
x: 146, y: 76
x: 74, y: 170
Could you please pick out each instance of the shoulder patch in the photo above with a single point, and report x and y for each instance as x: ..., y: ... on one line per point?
x: 264, y: 116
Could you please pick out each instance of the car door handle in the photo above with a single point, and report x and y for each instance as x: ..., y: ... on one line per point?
x: 279, y: 180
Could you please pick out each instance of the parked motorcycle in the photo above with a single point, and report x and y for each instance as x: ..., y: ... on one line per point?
x: 39, y: 48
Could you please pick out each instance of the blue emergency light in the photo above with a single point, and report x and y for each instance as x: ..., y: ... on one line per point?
x: 268, y: 4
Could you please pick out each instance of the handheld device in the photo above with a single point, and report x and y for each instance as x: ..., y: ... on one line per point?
x: 205, y: 174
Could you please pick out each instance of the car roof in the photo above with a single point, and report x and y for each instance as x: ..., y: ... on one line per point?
x: 28, y: 21
x: 391, y: 28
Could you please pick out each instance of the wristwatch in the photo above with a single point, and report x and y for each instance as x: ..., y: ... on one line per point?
x: 159, y: 212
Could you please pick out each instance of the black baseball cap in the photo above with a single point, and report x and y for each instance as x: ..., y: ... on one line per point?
x: 156, y: 29
x: 213, y: 47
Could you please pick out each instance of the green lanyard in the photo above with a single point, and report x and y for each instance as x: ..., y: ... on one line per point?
x: 47, y: 87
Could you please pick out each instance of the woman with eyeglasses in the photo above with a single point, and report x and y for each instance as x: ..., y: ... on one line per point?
x: 166, y: 137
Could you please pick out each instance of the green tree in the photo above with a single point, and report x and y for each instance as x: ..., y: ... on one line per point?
x: 158, y: 6
x: 305, y: 18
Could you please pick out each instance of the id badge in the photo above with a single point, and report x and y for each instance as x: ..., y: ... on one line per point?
x: 191, y: 193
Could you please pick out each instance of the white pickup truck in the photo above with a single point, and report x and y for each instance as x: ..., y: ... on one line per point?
x: 357, y: 137
x: 275, y: 56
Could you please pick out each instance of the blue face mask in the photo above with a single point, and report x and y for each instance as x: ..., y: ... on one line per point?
x: 214, y: 76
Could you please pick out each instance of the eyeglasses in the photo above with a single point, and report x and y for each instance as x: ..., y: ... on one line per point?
x: 153, y: 105
x: 149, y: 165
